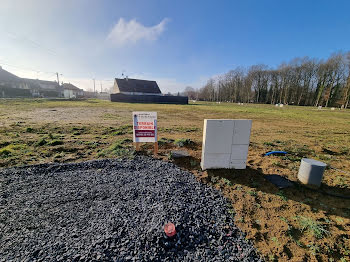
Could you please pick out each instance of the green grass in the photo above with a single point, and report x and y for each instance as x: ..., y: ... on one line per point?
x: 13, y: 149
x: 252, y: 193
x: 182, y: 142
x: 226, y: 181
x: 214, y: 179
x: 29, y: 130
x: 164, y: 141
x: 56, y: 142
x: 275, y: 239
x: 282, y: 195
x: 340, y: 181
x: 120, y: 148
x: 312, y: 226
x: 269, y: 144
x: 314, y: 249
x: 4, y: 152
x: 41, y: 142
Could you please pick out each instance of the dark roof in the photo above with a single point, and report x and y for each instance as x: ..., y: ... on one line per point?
x: 69, y: 86
x: 38, y: 81
x: 32, y: 83
x: 137, y: 85
x: 7, y: 76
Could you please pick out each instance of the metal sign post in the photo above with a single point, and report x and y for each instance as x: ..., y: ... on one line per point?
x: 145, y: 129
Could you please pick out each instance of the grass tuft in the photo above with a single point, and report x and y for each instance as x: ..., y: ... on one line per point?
x: 226, y: 181
x: 312, y: 226
x: 4, y: 152
x: 119, y: 148
x: 41, y: 142
x: 181, y: 142
x: 282, y: 196
x: 164, y: 141
x: 56, y: 142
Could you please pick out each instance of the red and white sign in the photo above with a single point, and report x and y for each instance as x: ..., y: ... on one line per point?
x: 145, y: 126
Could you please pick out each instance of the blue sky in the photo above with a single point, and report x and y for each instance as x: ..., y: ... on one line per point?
x: 177, y: 43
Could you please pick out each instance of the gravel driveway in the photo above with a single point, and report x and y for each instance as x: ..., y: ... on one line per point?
x: 114, y: 210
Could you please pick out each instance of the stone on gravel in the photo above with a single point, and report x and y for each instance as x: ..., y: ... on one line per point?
x: 179, y: 153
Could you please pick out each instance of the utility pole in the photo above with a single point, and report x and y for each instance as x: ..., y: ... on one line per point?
x: 58, y: 79
x: 101, y: 86
x: 94, y: 85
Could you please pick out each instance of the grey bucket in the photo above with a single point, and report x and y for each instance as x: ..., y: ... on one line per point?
x: 311, y: 172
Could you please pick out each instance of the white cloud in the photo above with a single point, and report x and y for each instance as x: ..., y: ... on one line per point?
x: 131, y: 32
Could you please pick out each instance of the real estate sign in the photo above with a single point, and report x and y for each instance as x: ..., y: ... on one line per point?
x: 145, y: 126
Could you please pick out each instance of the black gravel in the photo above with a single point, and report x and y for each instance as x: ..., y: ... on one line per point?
x: 114, y: 210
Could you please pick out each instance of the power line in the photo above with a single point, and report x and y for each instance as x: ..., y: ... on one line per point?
x: 50, y: 74
x: 24, y: 68
x: 17, y: 37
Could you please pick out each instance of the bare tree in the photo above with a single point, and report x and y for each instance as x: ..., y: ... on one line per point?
x: 302, y: 81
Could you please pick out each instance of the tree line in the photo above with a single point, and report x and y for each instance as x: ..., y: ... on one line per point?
x: 302, y: 81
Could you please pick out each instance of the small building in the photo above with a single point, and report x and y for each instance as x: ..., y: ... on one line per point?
x: 142, y: 91
x: 42, y: 84
x: 71, y: 91
x: 44, y: 88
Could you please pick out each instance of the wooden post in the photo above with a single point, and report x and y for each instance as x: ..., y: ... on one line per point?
x: 155, y: 148
x: 137, y: 146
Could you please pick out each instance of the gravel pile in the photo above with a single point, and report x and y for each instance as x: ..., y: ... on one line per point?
x: 114, y: 210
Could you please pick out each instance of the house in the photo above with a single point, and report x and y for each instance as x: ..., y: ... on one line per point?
x: 43, y: 88
x: 142, y: 91
x: 14, y: 86
x: 130, y: 86
x: 71, y: 91
x: 11, y: 81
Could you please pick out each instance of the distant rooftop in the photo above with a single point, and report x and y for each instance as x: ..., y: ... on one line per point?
x: 137, y: 86
x: 69, y: 86
x: 39, y: 81
x: 7, y: 76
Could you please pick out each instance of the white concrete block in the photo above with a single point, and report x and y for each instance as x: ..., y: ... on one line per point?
x: 215, y: 161
x: 238, y: 164
x: 241, y: 131
x: 239, y: 152
x: 225, y: 143
x: 217, y: 136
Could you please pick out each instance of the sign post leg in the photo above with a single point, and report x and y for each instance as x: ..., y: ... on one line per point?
x: 137, y: 146
x: 155, y: 148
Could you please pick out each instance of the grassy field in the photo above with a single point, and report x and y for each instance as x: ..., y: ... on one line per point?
x: 294, y: 224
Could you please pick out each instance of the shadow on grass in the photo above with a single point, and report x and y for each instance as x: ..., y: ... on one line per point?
x: 313, y: 197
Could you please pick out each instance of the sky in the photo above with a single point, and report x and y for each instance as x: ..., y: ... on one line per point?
x: 177, y: 43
